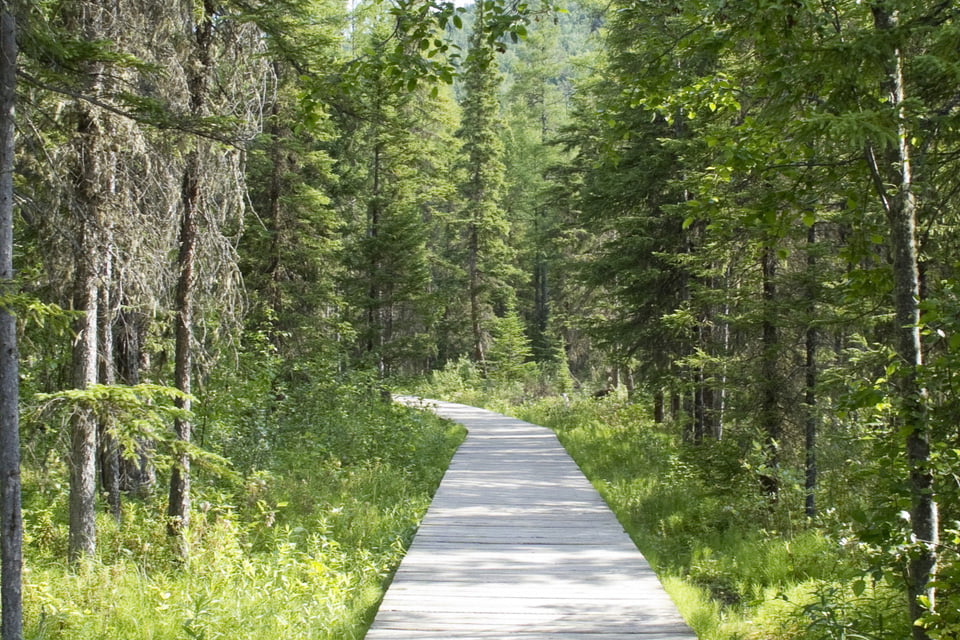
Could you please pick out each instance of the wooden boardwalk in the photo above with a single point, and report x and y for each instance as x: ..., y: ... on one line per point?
x: 518, y: 544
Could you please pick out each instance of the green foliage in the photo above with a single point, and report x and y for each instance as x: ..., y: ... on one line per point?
x: 300, y: 548
x: 510, y: 353
x: 748, y: 569
x: 131, y: 414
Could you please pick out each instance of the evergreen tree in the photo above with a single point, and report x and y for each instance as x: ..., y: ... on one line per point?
x: 395, y: 165
x: 488, y: 257
x: 292, y: 239
x: 509, y: 356
x: 535, y: 106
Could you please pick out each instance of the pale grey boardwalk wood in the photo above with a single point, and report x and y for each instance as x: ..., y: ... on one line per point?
x: 518, y: 544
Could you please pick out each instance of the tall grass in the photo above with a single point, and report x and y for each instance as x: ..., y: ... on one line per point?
x: 299, y: 547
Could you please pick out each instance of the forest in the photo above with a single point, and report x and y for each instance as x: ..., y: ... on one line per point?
x: 713, y: 244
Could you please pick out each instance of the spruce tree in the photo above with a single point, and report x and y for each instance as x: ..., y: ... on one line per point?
x: 395, y: 184
x: 487, y: 255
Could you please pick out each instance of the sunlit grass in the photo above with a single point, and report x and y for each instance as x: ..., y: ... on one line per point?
x: 738, y: 567
x: 301, y: 551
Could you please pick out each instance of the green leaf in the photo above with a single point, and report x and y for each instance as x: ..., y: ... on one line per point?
x: 859, y: 586
x: 954, y: 341
x: 809, y: 219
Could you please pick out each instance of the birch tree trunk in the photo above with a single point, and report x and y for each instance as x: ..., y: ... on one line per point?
x: 11, y: 523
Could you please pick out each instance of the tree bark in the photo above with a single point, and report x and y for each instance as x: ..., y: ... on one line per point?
x: 179, y: 503
x: 109, y: 450
x: 178, y: 508
x: 769, y: 393
x: 137, y: 474
x: 900, y: 206
x: 810, y: 385
x: 11, y: 522
x: 83, y: 457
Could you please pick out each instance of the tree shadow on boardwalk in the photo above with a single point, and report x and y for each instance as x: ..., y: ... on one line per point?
x: 518, y: 544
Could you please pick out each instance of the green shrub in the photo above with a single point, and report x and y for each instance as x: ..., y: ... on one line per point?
x: 299, y: 546
x: 740, y: 566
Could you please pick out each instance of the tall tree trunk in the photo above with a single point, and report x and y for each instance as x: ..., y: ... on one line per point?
x: 473, y: 247
x: 725, y: 332
x: 109, y: 449
x: 703, y: 394
x: 810, y: 383
x: 11, y: 522
x: 375, y: 310
x: 88, y: 209
x: 900, y: 206
x: 769, y: 392
x: 179, y: 504
x: 699, y: 417
x: 137, y: 473
x: 178, y: 508
x: 83, y: 454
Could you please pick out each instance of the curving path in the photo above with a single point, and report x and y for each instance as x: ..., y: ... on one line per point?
x: 518, y: 544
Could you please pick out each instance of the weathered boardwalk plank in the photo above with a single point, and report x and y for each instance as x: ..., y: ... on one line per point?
x: 518, y: 544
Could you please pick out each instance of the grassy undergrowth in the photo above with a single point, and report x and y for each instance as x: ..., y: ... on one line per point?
x: 297, y: 547
x: 738, y: 567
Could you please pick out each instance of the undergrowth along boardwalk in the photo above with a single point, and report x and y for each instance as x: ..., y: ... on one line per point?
x: 518, y: 544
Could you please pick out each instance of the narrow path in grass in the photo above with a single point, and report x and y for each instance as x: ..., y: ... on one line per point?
x: 518, y: 544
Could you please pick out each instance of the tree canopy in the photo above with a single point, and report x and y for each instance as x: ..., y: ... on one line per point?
x: 229, y: 228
